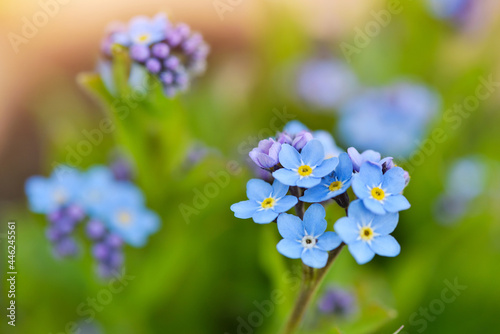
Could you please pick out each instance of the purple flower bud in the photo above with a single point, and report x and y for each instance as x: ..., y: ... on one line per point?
x: 66, y: 247
x: 360, y: 158
x: 182, y: 80
x: 113, y: 241
x: 100, y: 251
x: 406, y: 175
x: 95, y: 229
x: 167, y: 78
x: 183, y: 30
x: 191, y: 44
x: 139, y: 52
x: 301, y: 139
x: 172, y: 63
x: 75, y: 212
x: 64, y: 225
x: 337, y: 301
x: 284, y: 138
x: 160, y: 50
x: 105, y: 271
x: 56, y: 215
x: 121, y: 169
x: 387, y: 163
x: 170, y: 91
x: 53, y: 233
x: 173, y: 38
x: 153, y: 65
x: 266, y: 154
x: 116, y: 259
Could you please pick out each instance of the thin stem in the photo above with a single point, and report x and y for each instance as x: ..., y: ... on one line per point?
x: 299, y: 207
x: 310, y: 284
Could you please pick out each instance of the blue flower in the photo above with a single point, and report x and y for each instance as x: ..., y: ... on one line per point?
x: 294, y: 127
x: 265, y: 202
x: 380, y: 193
x: 144, y: 31
x: 45, y: 195
x: 329, y: 145
x: 304, y: 169
x: 98, y: 183
x: 307, y: 239
x: 367, y: 234
x: 451, y: 9
x: 359, y: 159
x: 332, y: 185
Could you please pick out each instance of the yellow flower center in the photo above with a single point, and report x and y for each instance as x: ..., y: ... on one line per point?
x: 124, y: 218
x: 336, y: 185
x: 305, y: 170
x: 378, y: 194
x: 366, y: 233
x: 268, y: 203
x: 143, y: 38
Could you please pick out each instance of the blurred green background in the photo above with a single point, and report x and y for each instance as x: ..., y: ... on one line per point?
x: 212, y: 272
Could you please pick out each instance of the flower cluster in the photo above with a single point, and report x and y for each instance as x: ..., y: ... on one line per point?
x: 113, y: 208
x: 304, y: 173
x: 456, y: 10
x: 171, y: 52
x: 389, y: 119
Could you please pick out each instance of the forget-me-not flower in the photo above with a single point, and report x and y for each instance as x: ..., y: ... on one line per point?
x: 265, y: 202
x: 304, y: 169
x: 380, y: 193
x: 331, y: 185
x: 307, y: 239
x: 367, y: 234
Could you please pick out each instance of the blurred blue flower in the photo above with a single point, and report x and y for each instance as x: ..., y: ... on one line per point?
x: 126, y: 215
x: 391, y: 120
x: 307, y: 239
x: 97, y: 184
x: 294, y: 127
x: 142, y: 30
x: 333, y: 184
x: 329, y: 145
x: 336, y: 301
x: 380, y: 193
x: 265, y: 202
x: 367, y: 234
x: 451, y: 9
x: 325, y: 83
x: 304, y: 169
x: 46, y: 195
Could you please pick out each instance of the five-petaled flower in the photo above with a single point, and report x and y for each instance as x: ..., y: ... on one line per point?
x: 367, y: 234
x: 265, y: 202
x: 304, y: 169
x: 307, y: 239
x: 332, y: 185
x: 380, y: 193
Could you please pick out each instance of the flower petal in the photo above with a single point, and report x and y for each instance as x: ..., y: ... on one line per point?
x: 361, y: 252
x: 289, y: 157
x: 244, y: 209
x: 314, y: 220
x: 396, y: 203
x: 285, y: 203
x: 385, y: 245
x: 290, y: 226
x: 326, y: 167
x: 315, y: 194
x: 347, y: 229
x: 279, y: 189
x: 315, y: 258
x: 258, y: 190
x: 374, y: 206
x: 394, y: 180
x: 359, y: 187
x: 371, y: 174
x: 308, y: 182
x: 286, y: 176
x: 290, y: 248
x: 385, y: 224
x: 359, y: 213
x: 356, y: 158
x: 313, y: 153
x: 344, y: 168
x: 264, y: 216
x: 329, y: 241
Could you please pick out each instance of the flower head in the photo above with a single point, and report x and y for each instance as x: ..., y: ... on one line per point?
x: 46, y: 195
x: 380, y: 193
x: 337, y: 301
x: 307, y: 239
x: 367, y: 234
x: 266, y: 154
x: 333, y: 184
x: 265, y: 202
x: 304, y: 169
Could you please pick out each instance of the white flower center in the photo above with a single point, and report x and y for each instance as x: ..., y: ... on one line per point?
x: 308, y: 241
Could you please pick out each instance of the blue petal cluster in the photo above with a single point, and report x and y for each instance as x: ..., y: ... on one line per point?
x: 172, y: 53
x: 296, y: 162
x: 114, y: 208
